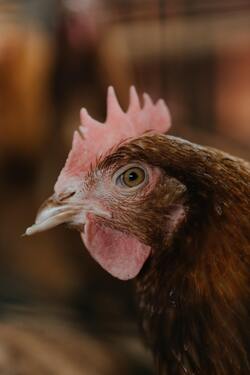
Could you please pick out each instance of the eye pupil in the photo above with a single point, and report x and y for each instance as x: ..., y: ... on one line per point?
x: 132, y: 176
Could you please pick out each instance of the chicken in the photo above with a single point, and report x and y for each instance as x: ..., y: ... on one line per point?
x: 174, y: 216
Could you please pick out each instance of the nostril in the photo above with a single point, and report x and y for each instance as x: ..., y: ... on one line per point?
x: 66, y: 195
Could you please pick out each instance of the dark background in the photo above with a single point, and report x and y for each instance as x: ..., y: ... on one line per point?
x: 61, y: 313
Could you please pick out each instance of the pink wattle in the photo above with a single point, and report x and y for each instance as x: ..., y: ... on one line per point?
x: 118, y: 253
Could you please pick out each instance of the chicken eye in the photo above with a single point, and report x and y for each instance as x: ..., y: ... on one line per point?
x: 133, y: 177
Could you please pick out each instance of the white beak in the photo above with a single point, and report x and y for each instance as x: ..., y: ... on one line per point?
x: 51, y: 214
x: 54, y: 212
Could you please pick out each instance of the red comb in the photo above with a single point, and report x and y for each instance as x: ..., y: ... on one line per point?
x: 95, y: 138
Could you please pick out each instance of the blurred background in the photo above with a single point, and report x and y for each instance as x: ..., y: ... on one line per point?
x: 60, y: 312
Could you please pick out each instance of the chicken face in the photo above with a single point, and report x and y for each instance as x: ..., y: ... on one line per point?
x: 119, y: 207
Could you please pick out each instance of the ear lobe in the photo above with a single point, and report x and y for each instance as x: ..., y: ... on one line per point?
x: 175, y: 217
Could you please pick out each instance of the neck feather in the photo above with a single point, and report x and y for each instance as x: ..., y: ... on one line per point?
x: 194, y: 295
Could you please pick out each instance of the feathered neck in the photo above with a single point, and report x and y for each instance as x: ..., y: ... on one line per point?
x: 194, y: 296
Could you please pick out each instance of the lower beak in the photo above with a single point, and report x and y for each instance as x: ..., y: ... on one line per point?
x: 53, y: 213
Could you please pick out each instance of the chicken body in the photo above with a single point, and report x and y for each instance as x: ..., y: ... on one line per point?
x: 183, y: 231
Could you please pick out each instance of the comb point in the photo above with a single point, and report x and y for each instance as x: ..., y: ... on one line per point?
x: 134, y: 102
x: 83, y: 116
x: 113, y: 107
x: 86, y: 120
x: 161, y: 105
x: 147, y: 100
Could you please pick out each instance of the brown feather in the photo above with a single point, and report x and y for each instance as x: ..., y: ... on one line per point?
x: 194, y: 291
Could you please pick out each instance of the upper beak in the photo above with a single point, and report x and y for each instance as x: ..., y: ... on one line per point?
x: 52, y: 213
x: 55, y: 211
